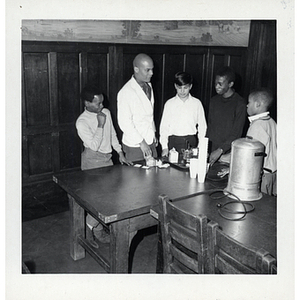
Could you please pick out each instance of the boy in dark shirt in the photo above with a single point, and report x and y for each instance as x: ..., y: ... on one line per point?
x: 227, y: 115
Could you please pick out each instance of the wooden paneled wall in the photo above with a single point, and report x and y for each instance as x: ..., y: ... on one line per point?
x: 262, y: 59
x: 54, y: 74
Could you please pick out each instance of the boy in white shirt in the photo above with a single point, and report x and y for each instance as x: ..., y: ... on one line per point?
x: 264, y: 129
x: 96, y: 130
x: 183, y: 121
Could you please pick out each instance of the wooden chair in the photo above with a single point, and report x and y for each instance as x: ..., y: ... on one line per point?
x: 227, y: 256
x: 184, y: 239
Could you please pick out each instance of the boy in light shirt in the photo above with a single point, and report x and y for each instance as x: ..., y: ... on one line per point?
x: 96, y: 130
x: 264, y: 129
x: 183, y: 121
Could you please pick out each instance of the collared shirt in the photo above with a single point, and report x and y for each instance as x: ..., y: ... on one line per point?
x: 182, y: 118
x: 95, y: 138
x: 145, y: 87
x: 255, y: 117
x: 264, y: 129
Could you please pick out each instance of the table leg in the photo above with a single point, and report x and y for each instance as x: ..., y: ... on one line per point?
x: 76, y: 229
x: 119, y: 246
x: 159, y: 258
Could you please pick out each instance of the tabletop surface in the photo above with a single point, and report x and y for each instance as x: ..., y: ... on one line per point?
x: 122, y: 191
x: 258, y: 228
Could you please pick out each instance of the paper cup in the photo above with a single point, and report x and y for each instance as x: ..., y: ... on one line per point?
x: 202, y: 173
x: 193, y: 167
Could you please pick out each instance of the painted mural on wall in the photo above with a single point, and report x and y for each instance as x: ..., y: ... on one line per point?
x: 185, y: 32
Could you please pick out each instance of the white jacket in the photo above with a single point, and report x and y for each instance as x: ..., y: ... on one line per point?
x: 135, y: 114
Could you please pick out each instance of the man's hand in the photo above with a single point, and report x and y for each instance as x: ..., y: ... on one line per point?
x: 123, y: 159
x: 214, y: 156
x: 145, y: 148
x: 101, y: 119
x: 165, y: 152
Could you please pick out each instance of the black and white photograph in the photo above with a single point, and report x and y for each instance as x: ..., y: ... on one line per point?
x: 151, y: 143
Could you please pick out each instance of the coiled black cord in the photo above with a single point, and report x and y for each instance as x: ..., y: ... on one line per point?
x: 230, y: 211
x: 224, y: 206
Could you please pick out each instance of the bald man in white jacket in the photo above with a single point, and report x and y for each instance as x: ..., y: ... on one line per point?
x: 135, y: 111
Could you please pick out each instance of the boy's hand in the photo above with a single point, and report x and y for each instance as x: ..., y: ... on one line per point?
x: 165, y: 152
x: 214, y: 156
x: 223, y: 172
x: 101, y: 119
x: 123, y: 159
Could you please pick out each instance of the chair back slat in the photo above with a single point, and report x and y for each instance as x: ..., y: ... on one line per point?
x: 180, y: 256
x: 174, y: 213
x: 228, y: 256
x: 184, y: 239
x: 228, y: 265
x: 224, y: 267
x: 177, y: 267
x: 184, y: 236
x: 237, y: 251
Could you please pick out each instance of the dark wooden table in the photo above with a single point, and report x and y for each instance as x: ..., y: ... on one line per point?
x: 257, y: 229
x: 120, y: 197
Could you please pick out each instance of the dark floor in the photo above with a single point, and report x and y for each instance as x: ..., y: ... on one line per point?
x: 43, y: 199
x: 45, y: 236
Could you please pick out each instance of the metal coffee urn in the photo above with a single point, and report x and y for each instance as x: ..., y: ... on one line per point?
x: 245, y: 172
